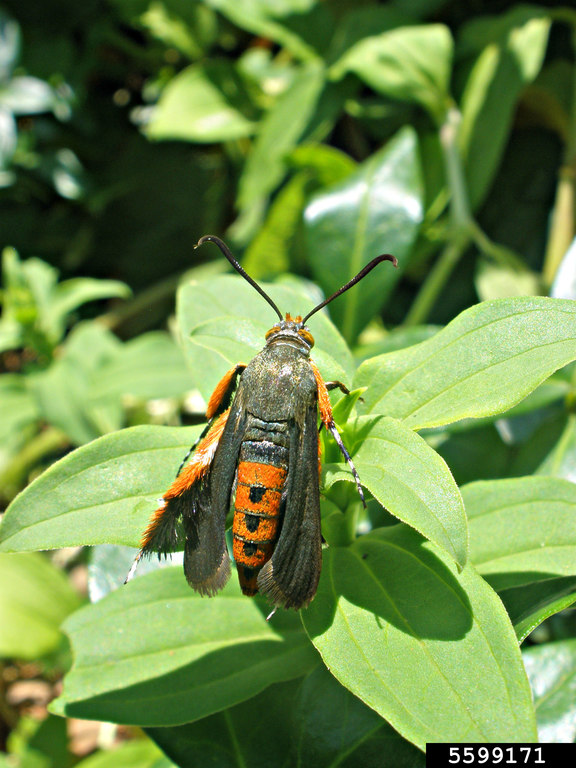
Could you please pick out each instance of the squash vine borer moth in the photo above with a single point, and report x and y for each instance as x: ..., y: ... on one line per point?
x: 259, y: 452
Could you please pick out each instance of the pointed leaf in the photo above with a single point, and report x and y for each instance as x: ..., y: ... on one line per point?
x: 224, y: 322
x: 410, y: 63
x: 38, y: 599
x: 522, y: 530
x: 201, y: 657
x: 391, y: 603
x: 512, y: 51
x: 205, y: 103
x: 528, y: 606
x: 377, y: 209
x: 92, y: 495
x: 279, y: 132
x: 482, y: 363
x: 411, y: 481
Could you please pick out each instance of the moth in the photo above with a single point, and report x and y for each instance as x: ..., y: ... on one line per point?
x: 260, y: 454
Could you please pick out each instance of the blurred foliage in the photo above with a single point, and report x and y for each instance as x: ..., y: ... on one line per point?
x: 313, y: 134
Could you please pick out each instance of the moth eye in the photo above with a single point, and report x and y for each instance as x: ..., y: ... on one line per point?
x: 307, y: 336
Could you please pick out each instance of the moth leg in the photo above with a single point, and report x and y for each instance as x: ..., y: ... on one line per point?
x: 325, y: 407
x: 337, y: 385
x: 336, y: 436
x: 218, y: 403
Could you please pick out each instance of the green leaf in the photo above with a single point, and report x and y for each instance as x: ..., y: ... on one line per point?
x: 411, y: 63
x: 17, y: 406
x: 204, y: 103
x: 302, y: 26
x: 203, y: 655
x: 71, y: 294
x: 243, y: 729
x: 482, y: 363
x: 551, y: 670
x: 148, y: 367
x: 512, y: 52
x: 315, y: 722
x: 62, y: 390
x: 332, y: 727
x: 270, y: 251
x: 392, y: 603
x: 376, y: 209
x: 102, y: 493
x: 140, y: 753
x: 522, y: 530
x: 38, y: 599
x: 278, y: 134
x: 411, y: 481
x: 224, y: 322
x: 529, y: 605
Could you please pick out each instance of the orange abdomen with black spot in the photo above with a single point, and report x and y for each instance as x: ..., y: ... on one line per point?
x: 258, y: 507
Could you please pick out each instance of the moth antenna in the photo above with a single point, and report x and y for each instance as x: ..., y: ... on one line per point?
x: 228, y: 254
x: 363, y: 272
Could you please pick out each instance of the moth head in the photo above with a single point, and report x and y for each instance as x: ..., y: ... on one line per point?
x: 291, y: 329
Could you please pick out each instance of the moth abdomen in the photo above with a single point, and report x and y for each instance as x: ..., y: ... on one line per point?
x: 262, y: 472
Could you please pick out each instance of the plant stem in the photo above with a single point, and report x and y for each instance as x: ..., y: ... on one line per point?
x: 441, y: 271
x: 563, y: 223
x: 49, y: 441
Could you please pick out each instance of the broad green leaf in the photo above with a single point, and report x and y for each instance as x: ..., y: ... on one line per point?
x: 224, y: 322
x: 392, y: 603
x: 35, y: 598
x: 315, y: 722
x: 190, y: 27
x: 102, y: 493
x: 482, y: 363
x: 522, y: 530
x: 399, y: 338
x: 513, y: 48
x: 328, y: 164
x: 551, y: 670
x: 201, y: 657
x: 529, y: 605
x: 62, y: 390
x: 376, y: 210
x: 270, y: 251
x: 302, y: 26
x: 411, y: 63
x: 148, y: 367
x: 71, y: 294
x: 278, y: 134
x: 205, y: 103
x: 361, y: 23
x: 411, y: 481
x: 139, y: 753
x: 243, y: 729
x: 332, y: 727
